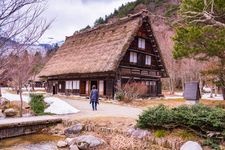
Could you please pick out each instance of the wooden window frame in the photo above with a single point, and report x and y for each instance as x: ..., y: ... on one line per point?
x: 141, y: 43
x: 148, y: 60
x: 133, y: 57
x: 76, y: 84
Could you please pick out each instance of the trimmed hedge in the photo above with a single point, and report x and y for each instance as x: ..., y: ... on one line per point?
x: 37, y: 103
x: 204, y: 121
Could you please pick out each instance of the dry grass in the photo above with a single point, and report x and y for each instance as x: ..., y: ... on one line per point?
x: 171, y: 103
x: 155, y: 102
x: 112, y: 122
x: 116, y: 141
x: 16, y: 106
x: 122, y: 141
x: 213, y: 103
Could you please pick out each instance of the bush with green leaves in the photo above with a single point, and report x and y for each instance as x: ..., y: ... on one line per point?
x: 204, y: 121
x: 37, y: 103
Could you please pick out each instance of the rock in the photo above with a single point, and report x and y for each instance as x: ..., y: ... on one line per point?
x: 4, y: 104
x: 83, y: 145
x: 61, y: 144
x: 89, y: 140
x: 190, y: 145
x: 77, y: 128
x: 138, y: 133
x: 10, y: 112
x: 1, y: 114
x: 74, y: 147
x: 70, y: 141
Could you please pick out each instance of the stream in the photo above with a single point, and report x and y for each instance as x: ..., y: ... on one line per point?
x: 30, y: 142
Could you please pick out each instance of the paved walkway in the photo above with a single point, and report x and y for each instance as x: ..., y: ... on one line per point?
x: 29, y: 120
x: 104, y: 110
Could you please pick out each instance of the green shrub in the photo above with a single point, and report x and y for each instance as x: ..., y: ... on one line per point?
x: 37, y: 103
x: 156, y: 117
x: 160, y: 133
x: 212, y: 143
x: 202, y: 120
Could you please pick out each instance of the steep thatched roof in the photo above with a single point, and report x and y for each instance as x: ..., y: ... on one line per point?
x: 99, y: 49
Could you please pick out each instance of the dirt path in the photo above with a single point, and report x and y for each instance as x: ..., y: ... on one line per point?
x: 104, y: 110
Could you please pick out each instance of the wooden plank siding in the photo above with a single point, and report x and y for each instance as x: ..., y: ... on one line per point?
x: 140, y: 72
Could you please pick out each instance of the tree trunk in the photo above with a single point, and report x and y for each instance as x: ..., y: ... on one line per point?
x: 171, y: 86
x: 223, y: 92
x: 0, y: 92
x: 182, y: 82
x: 32, y: 83
x: 211, y: 93
x: 21, y: 103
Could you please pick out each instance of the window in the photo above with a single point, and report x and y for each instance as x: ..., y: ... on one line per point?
x: 101, y: 87
x: 148, y: 60
x: 141, y: 43
x: 133, y: 57
x: 69, y: 85
x: 152, y: 83
x: 76, y: 85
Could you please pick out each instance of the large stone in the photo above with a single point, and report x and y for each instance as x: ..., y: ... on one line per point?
x: 74, y: 147
x: 70, y: 141
x: 83, y: 145
x: 190, y: 145
x: 10, y: 112
x: 138, y: 133
x: 89, y: 140
x: 5, y: 104
x: 75, y: 129
x: 61, y: 144
x: 1, y: 114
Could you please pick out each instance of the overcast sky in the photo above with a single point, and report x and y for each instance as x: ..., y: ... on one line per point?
x: 72, y: 15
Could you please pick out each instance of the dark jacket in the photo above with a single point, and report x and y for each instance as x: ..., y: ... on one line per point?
x: 94, y: 95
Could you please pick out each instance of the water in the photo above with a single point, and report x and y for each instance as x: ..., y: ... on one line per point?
x: 30, y: 142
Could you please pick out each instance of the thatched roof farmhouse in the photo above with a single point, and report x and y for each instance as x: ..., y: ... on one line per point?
x: 106, y: 55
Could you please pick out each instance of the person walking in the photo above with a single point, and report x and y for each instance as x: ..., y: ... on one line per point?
x: 94, y: 98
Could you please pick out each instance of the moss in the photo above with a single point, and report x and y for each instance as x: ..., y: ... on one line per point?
x: 160, y: 133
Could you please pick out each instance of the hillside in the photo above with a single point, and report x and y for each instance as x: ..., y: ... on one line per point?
x: 163, y: 14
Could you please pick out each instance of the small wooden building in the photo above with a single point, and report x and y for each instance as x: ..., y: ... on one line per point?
x: 105, y: 56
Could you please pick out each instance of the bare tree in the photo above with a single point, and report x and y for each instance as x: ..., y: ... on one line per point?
x: 20, y: 72
x: 20, y: 22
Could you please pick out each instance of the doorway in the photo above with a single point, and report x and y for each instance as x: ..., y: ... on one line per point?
x: 54, y: 89
x: 153, y: 88
x: 83, y: 87
x: 95, y: 82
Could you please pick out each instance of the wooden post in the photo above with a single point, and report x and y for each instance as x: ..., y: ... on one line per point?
x: 0, y: 92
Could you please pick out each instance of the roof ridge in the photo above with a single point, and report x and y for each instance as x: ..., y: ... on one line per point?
x: 142, y: 13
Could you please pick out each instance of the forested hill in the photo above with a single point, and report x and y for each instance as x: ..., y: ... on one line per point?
x: 164, y: 8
